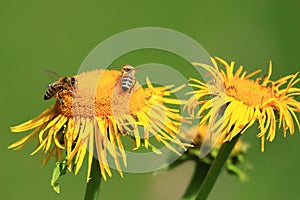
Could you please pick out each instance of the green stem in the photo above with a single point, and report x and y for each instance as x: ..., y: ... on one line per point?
x: 216, y: 168
x: 201, y: 170
x: 93, y: 186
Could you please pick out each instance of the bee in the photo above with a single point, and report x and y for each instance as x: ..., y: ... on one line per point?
x: 127, y: 78
x: 63, y: 83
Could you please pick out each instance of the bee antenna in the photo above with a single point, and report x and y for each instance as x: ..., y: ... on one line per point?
x: 115, y: 67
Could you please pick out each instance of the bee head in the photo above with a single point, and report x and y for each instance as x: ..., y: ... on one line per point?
x: 64, y: 79
x: 73, y: 81
x: 127, y: 68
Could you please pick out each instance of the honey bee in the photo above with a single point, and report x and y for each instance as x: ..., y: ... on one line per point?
x: 127, y: 78
x: 63, y: 83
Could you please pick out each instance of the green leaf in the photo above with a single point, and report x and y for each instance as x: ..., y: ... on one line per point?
x: 59, y: 170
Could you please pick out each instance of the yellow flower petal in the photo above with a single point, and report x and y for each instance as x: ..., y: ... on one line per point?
x: 245, y: 101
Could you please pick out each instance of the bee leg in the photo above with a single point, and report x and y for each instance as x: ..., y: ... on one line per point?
x: 118, y: 82
x: 60, y: 99
x: 131, y: 88
x: 72, y: 92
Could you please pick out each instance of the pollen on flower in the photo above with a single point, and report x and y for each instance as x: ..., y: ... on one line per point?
x: 89, y: 120
x: 248, y: 91
x: 236, y: 102
x: 99, y: 93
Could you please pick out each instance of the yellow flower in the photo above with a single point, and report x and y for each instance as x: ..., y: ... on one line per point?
x: 89, y: 121
x: 235, y: 163
x: 232, y: 102
x: 198, y: 133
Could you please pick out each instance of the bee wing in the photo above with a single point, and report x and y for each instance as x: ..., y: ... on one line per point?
x: 48, y: 85
x: 52, y: 73
x: 138, y: 69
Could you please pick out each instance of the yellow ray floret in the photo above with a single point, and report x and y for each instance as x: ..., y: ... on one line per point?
x: 96, y: 114
x: 232, y: 102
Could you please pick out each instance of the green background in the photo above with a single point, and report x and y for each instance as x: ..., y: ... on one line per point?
x: 58, y: 35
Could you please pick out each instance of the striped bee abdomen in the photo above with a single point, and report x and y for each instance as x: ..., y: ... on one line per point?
x: 50, y: 93
x: 127, y: 82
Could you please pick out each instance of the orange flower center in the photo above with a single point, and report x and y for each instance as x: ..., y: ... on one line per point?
x: 248, y: 91
x: 99, y: 93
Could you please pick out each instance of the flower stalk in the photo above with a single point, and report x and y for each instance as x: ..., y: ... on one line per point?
x: 201, y: 169
x: 93, y: 186
x: 215, y: 169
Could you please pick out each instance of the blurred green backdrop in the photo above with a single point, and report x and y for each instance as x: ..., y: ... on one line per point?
x: 58, y: 35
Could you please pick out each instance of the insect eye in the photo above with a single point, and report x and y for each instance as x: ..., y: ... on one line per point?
x: 73, y: 81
